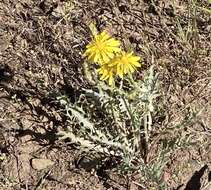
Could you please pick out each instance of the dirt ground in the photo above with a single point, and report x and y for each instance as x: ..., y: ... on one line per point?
x: 41, y: 43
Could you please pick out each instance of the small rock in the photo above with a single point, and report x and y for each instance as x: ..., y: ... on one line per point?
x: 40, y: 164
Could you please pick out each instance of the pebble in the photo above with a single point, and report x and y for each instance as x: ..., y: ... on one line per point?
x: 40, y: 164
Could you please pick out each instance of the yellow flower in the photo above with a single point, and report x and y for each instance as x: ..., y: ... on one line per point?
x: 125, y: 63
x: 107, y: 73
x: 102, y: 48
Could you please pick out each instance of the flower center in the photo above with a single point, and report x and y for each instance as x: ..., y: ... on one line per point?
x: 99, y: 45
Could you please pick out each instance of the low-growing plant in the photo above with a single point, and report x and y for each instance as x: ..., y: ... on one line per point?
x: 128, y: 133
x: 117, y: 119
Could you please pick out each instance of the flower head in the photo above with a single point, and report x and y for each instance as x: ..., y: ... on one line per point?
x: 125, y: 63
x: 102, y: 48
x: 106, y: 73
